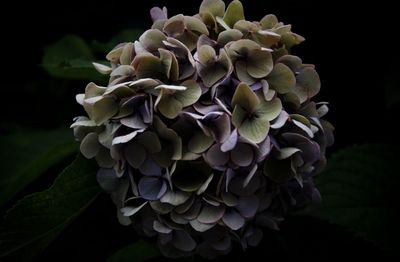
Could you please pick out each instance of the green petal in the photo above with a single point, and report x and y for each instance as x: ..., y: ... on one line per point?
x: 242, y: 48
x: 211, y: 74
x: 195, y: 25
x: 206, y: 54
x: 281, y: 79
x: 234, y: 13
x: 152, y: 40
x: 269, y: 110
x: 189, y: 39
x: 102, y: 108
x: 148, y: 66
x: 102, y: 69
x: 90, y: 145
x: 291, y: 100
x: 286, y: 152
x: 229, y: 35
x: 150, y: 141
x: 266, y: 38
x: 293, y: 62
x: 238, y: 116
x: 255, y: 129
x: 113, y: 55
x: 171, y: 144
x: 246, y: 26
x: 127, y: 54
x: 242, y: 74
x: 169, y: 106
x: 259, y: 63
x: 308, y: 84
x: 190, y: 95
x: 268, y: 21
x: 199, y: 143
x: 170, y: 63
x: 245, y: 98
x: 174, y: 26
x: 93, y: 90
x: 215, y: 7
x: 209, y: 20
x: 119, y: 90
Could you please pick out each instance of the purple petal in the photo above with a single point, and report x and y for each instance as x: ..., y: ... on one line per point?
x: 248, y: 206
x: 230, y: 143
x: 233, y: 219
x: 152, y: 188
x: 157, y: 13
x: 215, y: 157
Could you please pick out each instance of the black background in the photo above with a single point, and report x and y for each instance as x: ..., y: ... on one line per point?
x: 353, y: 45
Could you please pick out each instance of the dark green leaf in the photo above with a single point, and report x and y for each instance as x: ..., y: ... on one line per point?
x: 70, y: 58
x: 139, y: 252
x: 128, y: 35
x: 38, y: 219
x: 359, y: 191
x: 25, y: 157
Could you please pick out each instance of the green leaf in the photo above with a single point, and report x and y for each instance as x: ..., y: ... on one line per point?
x: 36, y: 220
x: 359, y: 191
x: 139, y: 252
x: 127, y: 35
x: 25, y: 157
x: 71, y: 58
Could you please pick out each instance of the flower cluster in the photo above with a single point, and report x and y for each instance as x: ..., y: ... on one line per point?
x: 206, y: 131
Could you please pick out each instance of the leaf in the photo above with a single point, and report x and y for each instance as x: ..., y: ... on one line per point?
x: 139, y: 252
x: 71, y: 58
x: 359, y: 191
x: 25, y: 157
x: 36, y: 220
x: 127, y: 35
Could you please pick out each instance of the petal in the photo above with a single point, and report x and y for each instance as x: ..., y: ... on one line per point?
x: 234, y: 12
x: 190, y: 95
x: 152, y: 188
x: 215, y: 157
x: 259, y: 63
x: 233, y: 219
x: 135, y: 154
x: 255, y: 130
x: 211, y: 214
x: 281, y: 78
x: 90, y: 145
x: 200, y: 227
x: 215, y: 7
x: 230, y: 143
x: 245, y: 98
x: 175, y: 198
x: 242, y: 155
